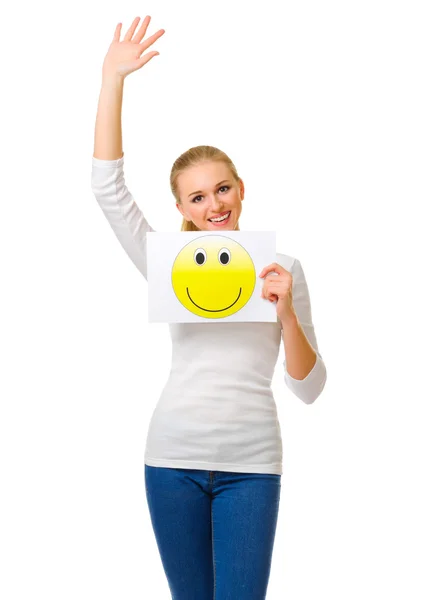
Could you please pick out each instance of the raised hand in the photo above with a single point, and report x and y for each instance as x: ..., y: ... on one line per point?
x: 125, y: 57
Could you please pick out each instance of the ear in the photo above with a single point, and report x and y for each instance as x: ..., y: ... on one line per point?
x: 242, y: 188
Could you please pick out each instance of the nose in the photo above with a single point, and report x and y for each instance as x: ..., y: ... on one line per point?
x: 216, y: 203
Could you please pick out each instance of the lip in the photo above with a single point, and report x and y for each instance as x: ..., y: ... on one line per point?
x: 220, y: 214
x: 221, y: 223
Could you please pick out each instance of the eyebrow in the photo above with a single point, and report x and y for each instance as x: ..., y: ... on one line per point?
x: 199, y: 191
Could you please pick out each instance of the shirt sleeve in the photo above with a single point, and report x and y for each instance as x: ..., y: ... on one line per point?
x: 120, y: 209
x: 309, y: 388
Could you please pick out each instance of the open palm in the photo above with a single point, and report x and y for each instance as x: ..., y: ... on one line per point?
x: 124, y: 57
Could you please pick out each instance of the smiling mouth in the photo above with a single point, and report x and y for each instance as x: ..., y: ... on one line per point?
x: 220, y: 309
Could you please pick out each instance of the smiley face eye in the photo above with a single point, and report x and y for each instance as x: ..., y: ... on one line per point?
x: 200, y: 256
x: 224, y: 256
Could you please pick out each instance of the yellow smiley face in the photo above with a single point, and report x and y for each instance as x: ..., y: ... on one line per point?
x: 213, y: 276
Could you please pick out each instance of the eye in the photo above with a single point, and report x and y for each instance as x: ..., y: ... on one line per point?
x: 200, y: 256
x: 224, y: 256
x: 222, y: 187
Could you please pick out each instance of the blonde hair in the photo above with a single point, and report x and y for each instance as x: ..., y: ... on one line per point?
x: 193, y: 157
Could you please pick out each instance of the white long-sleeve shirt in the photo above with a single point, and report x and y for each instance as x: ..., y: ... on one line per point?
x: 216, y: 410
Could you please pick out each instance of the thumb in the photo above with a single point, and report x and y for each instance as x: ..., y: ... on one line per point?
x: 142, y: 60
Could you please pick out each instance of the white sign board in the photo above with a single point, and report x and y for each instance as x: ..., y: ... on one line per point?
x: 199, y: 276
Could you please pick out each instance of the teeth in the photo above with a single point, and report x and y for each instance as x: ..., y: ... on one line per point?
x: 223, y: 218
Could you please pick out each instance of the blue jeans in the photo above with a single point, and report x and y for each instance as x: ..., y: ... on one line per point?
x: 214, y: 530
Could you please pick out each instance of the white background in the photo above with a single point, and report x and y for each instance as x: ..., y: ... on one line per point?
x: 328, y: 111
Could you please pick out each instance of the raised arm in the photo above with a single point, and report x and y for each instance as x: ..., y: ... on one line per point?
x: 107, y: 180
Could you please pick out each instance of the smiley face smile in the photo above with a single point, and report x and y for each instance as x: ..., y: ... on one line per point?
x: 219, y: 309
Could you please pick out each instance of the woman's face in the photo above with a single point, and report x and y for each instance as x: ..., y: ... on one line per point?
x: 207, y: 191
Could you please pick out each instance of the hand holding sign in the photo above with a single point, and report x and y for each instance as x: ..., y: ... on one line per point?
x: 277, y: 287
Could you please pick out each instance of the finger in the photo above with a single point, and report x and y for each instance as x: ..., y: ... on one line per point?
x: 142, y: 30
x: 117, y: 32
x: 266, y: 292
x: 131, y: 29
x: 269, y: 268
x: 149, y: 41
x: 264, y: 270
x: 279, y: 292
x: 278, y: 285
x: 273, y: 267
x: 144, y: 59
x: 275, y: 278
x: 272, y: 297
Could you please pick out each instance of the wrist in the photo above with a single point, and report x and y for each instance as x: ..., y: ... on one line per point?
x: 290, y: 319
x: 112, y: 80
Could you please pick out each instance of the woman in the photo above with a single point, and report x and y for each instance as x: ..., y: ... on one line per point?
x: 213, y: 459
